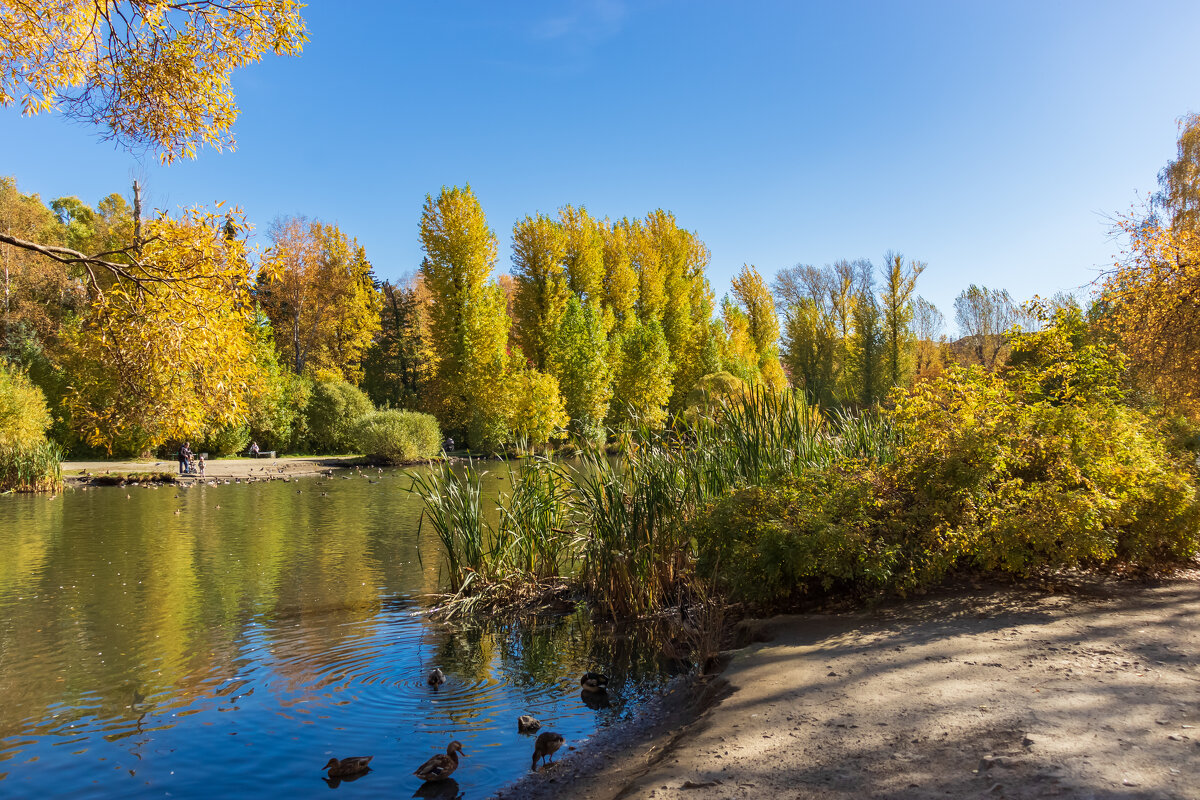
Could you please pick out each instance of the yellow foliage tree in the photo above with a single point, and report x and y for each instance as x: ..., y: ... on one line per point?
x: 154, y: 73
x: 468, y: 316
x: 540, y: 288
x: 317, y: 288
x: 1151, y: 300
x: 167, y: 353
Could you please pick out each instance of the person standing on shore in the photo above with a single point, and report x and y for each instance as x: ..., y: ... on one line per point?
x: 184, y: 451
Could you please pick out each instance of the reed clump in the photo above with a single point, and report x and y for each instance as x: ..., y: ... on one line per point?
x: 505, y: 561
x: 32, y: 468
x: 618, y: 530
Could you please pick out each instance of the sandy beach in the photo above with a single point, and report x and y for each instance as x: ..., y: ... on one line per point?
x: 1088, y: 690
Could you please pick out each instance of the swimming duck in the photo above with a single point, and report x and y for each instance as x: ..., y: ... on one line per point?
x: 436, y: 678
x: 442, y: 765
x: 593, y: 682
x: 527, y: 724
x: 545, y: 746
x: 355, y: 765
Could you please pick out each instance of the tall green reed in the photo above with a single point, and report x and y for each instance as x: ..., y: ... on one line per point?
x: 31, y: 469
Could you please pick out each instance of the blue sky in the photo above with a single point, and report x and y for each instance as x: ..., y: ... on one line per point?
x: 992, y: 141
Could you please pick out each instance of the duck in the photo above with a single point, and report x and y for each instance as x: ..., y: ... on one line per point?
x: 593, y: 682
x: 545, y: 746
x: 527, y: 724
x: 442, y: 765
x: 436, y: 678
x: 344, y: 768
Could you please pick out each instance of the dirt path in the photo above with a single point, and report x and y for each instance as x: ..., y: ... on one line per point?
x: 75, y: 472
x: 1009, y: 693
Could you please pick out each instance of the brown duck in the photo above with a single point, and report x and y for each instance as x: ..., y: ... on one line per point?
x: 442, y: 765
x: 545, y: 747
x: 347, y: 767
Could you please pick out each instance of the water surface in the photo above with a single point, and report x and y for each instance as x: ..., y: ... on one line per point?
x: 226, y: 641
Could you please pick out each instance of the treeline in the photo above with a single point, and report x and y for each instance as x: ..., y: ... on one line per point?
x: 185, y: 332
x: 139, y: 333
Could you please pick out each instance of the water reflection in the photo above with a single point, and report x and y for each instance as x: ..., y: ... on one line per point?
x: 237, y: 645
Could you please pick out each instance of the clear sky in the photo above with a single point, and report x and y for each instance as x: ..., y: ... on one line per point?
x: 991, y: 140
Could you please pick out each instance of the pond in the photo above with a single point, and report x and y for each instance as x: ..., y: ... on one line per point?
x: 226, y: 641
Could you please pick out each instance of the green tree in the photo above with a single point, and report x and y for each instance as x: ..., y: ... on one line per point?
x: 810, y: 340
x: 396, y: 368
x: 866, y: 348
x: 579, y: 363
x: 896, y: 299
x: 642, y: 386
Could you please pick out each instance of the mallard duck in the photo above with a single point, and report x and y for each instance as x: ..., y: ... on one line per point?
x: 436, y: 678
x: 344, y: 768
x: 440, y: 766
x: 527, y: 724
x: 545, y: 747
x: 593, y: 682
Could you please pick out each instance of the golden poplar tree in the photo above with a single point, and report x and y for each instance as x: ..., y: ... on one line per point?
x: 540, y: 288
x: 469, y: 323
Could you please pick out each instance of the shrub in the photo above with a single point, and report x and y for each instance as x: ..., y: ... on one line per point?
x: 229, y: 440
x: 27, y: 461
x: 23, y: 414
x: 1038, y: 468
x: 812, y: 533
x: 331, y: 415
x: 535, y: 406
x: 398, y: 437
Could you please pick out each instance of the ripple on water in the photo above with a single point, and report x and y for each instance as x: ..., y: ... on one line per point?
x: 231, y: 653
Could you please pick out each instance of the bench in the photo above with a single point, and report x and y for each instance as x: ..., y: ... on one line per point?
x: 263, y: 454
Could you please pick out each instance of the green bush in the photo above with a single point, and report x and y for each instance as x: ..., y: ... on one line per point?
x: 230, y: 440
x: 398, y: 437
x: 813, y: 533
x: 28, y: 462
x: 24, y: 417
x: 331, y: 415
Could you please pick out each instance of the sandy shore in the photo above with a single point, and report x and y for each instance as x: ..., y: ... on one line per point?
x: 76, y: 472
x: 1090, y: 691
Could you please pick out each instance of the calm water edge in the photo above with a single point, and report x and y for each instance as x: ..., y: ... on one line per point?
x: 226, y: 641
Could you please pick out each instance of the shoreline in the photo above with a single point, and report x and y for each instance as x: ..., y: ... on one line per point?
x: 83, y: 473
x: 1086, y: 688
